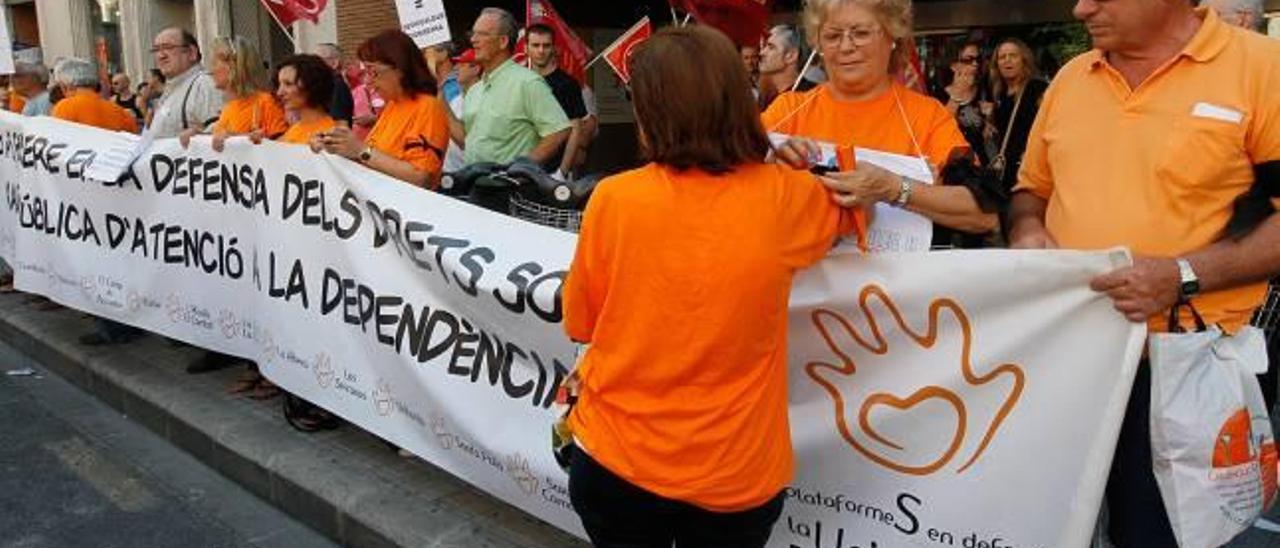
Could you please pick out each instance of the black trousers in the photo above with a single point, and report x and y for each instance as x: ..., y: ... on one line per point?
x: 618, y: 514
x: 1138, y: 516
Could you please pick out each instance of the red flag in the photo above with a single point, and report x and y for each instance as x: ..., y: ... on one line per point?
x: 574, y: 53
x: 912, y: 75
x: 744, y: 21
x: 619, y: 52
x: 287, y: 12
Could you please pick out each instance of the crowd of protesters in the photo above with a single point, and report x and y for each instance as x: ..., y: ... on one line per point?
x: 688, y: 443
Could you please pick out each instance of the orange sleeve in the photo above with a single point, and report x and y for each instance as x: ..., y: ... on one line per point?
x: 780, y: 113
x: 810, y: 221
x: 16, y: 102
x: 272, y: 119
x: 428, y: 138
x: 943, y: 137
x: 585, y: 288
x: 1035, y: 175
x: 64, y: 110
x: 127, y: 122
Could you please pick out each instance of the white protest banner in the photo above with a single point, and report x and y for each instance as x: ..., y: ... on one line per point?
x: 424, y: 20
x: 939, y: 399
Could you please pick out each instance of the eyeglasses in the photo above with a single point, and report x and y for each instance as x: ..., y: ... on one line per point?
x: 858, y: 36
x: 968, y: 60
x: 166, y: 47
x: 480, y: 34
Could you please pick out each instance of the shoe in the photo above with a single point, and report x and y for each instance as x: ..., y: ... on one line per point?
x: 98, y: 339
x: 211, y: 361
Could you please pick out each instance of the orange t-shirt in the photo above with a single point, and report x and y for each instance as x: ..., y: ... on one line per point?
x: 86, y: 107
x: 16, y: 102
x: 413, y: 130
x: 301, y: 132
x: 680, y: 283
x: 257, y: 111
x: 875, y: 123
x: 1158, y: 168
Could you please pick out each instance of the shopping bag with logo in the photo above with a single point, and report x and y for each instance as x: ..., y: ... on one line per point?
x: 1213, y: 449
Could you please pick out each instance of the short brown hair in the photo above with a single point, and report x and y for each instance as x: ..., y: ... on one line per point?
x: 693, y: 101
x: 395, y: 48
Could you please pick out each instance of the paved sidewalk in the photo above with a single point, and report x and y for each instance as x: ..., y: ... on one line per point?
x: 346, y: 484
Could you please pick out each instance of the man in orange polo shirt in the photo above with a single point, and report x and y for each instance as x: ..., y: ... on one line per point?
x: 81, y: 102
x: 1147, y: 142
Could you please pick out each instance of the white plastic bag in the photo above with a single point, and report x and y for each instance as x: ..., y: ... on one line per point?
x: 1212, y: 445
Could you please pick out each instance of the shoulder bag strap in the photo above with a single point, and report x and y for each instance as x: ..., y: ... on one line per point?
x: 1013, y: 116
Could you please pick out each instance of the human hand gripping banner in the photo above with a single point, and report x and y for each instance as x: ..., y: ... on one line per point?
x: 942, y: 399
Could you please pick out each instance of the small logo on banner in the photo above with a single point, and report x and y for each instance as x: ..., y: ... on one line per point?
x: 441, y: 429
x: 518, y: 468
x: 859, y: 408
x: 323, y: 370
x: 382, y: 398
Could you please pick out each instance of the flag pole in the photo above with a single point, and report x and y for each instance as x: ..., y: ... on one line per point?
x: 283, y: 28
x: 675, y: 20
x: 687, y: 16
x: 807, y: 64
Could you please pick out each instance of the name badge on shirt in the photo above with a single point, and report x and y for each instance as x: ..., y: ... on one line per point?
x: 1215, y: 112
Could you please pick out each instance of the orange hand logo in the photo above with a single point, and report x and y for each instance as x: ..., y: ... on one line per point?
x: 947, y: 341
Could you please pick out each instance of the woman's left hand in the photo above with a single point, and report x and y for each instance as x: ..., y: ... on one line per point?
x: 343, y: 142
x: 867, y: 184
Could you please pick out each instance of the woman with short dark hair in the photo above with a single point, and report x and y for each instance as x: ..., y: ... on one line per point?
x: 680, y: 284
x: 408, y: 141
x: 304, y: 84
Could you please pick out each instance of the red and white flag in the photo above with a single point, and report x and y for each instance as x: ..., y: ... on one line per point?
x: 619, y: 52
x: 287, y: 12
x: 574, y: 53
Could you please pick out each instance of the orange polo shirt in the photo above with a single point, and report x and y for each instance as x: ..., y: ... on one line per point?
x: 16, y: 101
x: 414, y: 130
x: 86, y: 107
x: 876, y: 123
x: 257, y: 111
x: 1157, y: 168
x: 680, y: 283
x: 300, y: 133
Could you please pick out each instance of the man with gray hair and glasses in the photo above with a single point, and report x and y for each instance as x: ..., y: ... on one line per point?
x: 1246, y: 14
x: 511, y: 111
x: 781, y: 57
x: 190, y: 99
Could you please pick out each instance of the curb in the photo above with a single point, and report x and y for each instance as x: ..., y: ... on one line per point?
x: 346, y: 484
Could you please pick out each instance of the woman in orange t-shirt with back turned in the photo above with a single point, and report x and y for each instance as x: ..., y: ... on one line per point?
x: 680, y: 285
x: 409, y: 139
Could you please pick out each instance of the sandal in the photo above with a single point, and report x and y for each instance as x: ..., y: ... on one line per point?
x: 246, y: 382
x: 264, y: 391
x: 307, y: 417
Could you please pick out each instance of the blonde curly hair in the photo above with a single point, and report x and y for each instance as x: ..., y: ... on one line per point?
x: 895, y: 16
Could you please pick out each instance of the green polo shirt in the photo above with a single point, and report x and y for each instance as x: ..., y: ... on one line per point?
x: 507, y: 112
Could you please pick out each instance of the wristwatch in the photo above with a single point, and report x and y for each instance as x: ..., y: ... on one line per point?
x: 366, y: 155
x: 904, y: 193
x: 1189, y: 285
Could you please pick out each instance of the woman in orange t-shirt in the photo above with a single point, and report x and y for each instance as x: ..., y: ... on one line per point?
x: 680, y: 284
x: 409, y: 139
x: 237, y: 71
x: 863, y: 44
x: 304, y: 83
